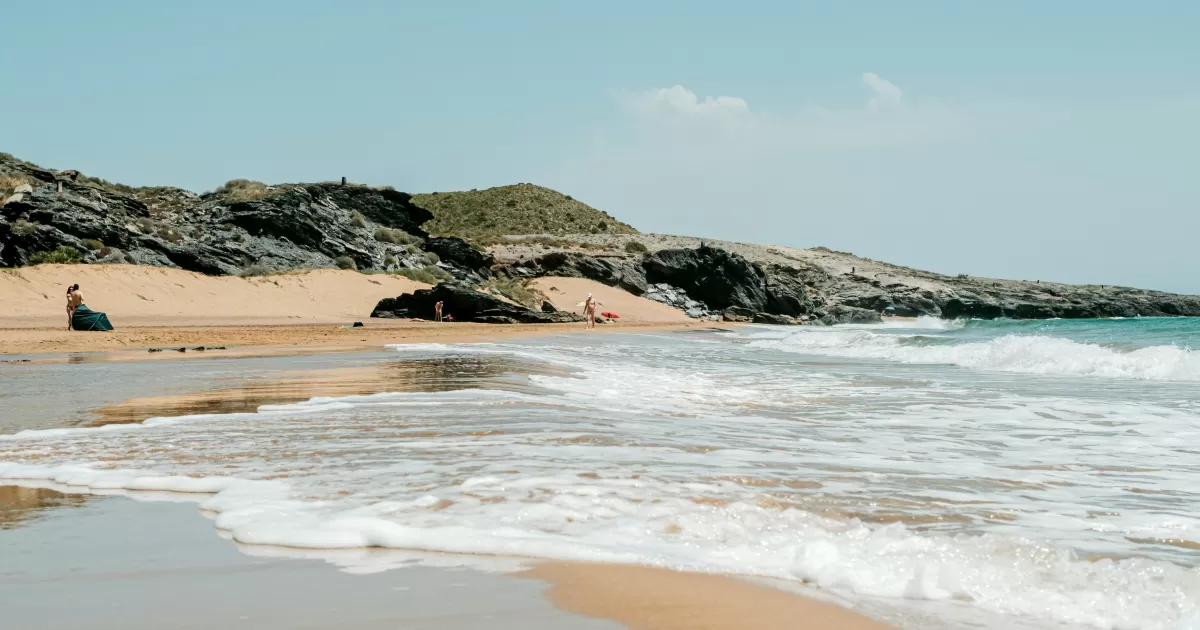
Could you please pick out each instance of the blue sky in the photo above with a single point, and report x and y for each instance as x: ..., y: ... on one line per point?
x: 1037, y: 140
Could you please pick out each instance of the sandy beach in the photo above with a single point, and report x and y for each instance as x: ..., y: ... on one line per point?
x: 171, y: 308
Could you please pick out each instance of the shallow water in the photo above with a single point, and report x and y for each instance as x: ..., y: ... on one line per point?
x: 1046, y: 471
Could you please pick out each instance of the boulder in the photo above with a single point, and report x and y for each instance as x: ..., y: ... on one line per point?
x: 776, y: 320
x: 840, y: 314
x: 459, y: 253
x: 737, y: 314
x: 717, y: 278
x: 465, y: 304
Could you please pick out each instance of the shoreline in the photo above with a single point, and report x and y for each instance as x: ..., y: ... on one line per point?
x: 284, y: 339
x: 531, y: 592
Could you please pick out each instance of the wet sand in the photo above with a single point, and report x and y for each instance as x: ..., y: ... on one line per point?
x: 112, y: 563
x: 292, y: 386
x: 303, y: 338
x: 647, y: 598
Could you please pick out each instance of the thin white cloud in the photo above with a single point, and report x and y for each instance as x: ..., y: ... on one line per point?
x: 678, y: 100
x: 883, y: 92
x: 678, y: 116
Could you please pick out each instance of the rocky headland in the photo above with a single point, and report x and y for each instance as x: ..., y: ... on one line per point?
x: 248, y: 228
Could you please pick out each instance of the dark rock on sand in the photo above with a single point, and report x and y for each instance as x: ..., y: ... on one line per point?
x: 465, y: 304
x: 840, y: 314
x: 713, y: 276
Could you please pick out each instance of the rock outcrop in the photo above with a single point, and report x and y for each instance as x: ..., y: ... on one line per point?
x: 702, y: 282
x: 279, y: 228
x: 465, y: 305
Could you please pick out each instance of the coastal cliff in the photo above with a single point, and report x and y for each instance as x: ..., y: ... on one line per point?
x: 249, y: 228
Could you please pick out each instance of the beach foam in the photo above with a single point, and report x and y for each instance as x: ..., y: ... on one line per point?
x: 1029, y: 354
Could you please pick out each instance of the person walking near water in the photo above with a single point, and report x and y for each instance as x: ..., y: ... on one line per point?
x: 589, y: 311
x: 437, y: 311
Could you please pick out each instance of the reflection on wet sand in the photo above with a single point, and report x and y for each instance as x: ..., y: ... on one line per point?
x: 436, y: 374
x: 20, y: 505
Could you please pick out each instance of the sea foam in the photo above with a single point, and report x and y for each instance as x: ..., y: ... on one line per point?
x: 1029, y: 354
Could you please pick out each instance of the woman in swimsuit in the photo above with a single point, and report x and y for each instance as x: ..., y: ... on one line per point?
x: 70, y: 305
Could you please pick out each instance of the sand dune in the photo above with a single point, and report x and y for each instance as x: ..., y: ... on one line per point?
x: 565, y: 293
x: 34, y: 297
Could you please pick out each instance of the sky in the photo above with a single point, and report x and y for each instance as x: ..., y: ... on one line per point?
x: 1031, y: 140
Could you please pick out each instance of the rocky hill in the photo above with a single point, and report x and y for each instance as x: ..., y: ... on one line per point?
x: 521, y: 209
x: 250, y: 228
x: 242, y: 228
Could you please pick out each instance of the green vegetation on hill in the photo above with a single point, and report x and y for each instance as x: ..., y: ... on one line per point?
x: 519, y: 209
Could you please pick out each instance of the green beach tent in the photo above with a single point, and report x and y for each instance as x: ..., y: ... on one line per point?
x: 87, y: 319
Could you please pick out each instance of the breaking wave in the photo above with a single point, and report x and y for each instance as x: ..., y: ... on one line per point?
x: 1029, y: 354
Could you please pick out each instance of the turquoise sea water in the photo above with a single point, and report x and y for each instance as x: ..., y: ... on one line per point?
x: 991, y: 474
x: 1119, y: 334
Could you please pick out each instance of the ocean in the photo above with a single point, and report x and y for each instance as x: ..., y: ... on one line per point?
x: 988, y: 473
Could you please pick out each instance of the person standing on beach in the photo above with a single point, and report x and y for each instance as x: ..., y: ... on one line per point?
x: 70, y: 304
x: 589, y: 311
x: 437, y: 311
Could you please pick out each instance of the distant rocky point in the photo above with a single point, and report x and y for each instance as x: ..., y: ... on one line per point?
x: 250, y: 228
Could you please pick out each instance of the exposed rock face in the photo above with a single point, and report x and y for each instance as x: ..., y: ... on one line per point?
x: 465, y: 304
x: 678, y: 298
x: 459, y: 254
x: 617, y: 272
x: 980, y: 298
x: 292, y: 226
x: 713, y: 276
x: 700, y: 281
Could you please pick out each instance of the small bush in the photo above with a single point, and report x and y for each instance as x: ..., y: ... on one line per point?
x: 428, y: 275
x: 634, y: 247
x: 345, y: 262
x: 432, y: 258
x: 399, y: 237
x: 92, y: 244
x: 358, y: 219
x: 570, y: 198
x: 513, y: 289
x: 21, y: 227
x: 130, y: 259
x: 241, y: 190
x: 389, y: 260
x: 63, y: 255
x: 147, y: 225
x: 170, y: 235
x: 412, y: 249
x: 9, y: 182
